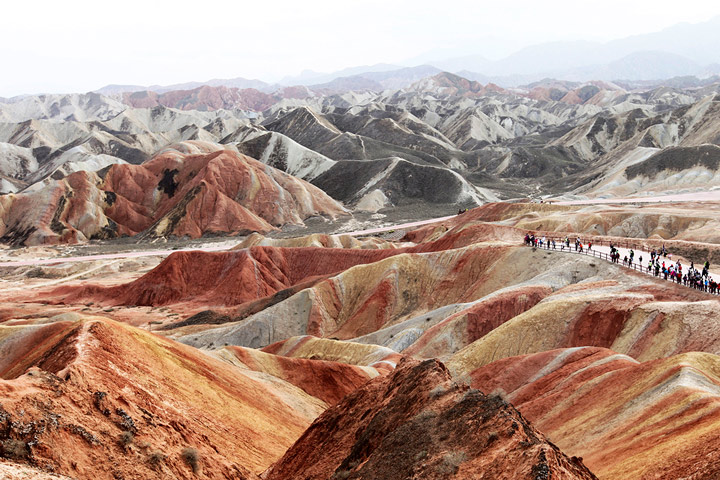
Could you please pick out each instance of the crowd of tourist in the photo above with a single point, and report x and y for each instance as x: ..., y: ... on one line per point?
x: 660, y: 264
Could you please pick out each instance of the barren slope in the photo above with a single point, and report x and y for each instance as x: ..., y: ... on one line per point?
x: 102, y: 399
x: 190, y: 189
x: 618, y: 413
x: 418, y: 423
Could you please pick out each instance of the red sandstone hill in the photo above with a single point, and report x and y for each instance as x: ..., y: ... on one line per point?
x: 419, y: 423
x: 92, y: 398
x: 227, y: 278
x: 191, y: 189
x: 627, y: 419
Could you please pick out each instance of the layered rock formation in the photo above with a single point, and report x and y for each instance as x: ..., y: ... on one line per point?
x: 549, y: 138
x: 682, y: 227
x: 617, y: 367
x: 328, y: 381
x: 89, y: 397
x: 190, y: 189
x: 419, y: 423
x: 39, y: 146
x: 616, y: 412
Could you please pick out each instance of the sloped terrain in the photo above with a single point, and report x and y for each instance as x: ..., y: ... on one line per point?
x: 547, y: 138
x: 395, y: 181
x: 418, y: 423
x: 16, y: 471
x: 616, y: 412
x: 280, y: 152
x: 101, y: 399
x: 641, y: 153
x: 602, y: 359
x: 328, y: 381
x: 54, y: 147
x: 688, y: 228
x: 190, y: 189
x: 243, y: 345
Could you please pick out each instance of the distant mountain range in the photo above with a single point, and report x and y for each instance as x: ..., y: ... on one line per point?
x: 678, y: 51
x: 229, y: 82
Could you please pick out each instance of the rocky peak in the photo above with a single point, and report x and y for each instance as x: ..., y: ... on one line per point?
x: 419, y: 423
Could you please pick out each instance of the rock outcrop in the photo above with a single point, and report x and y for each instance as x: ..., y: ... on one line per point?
x: 419, y: 423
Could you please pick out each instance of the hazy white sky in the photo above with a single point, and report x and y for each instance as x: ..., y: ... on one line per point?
x: 81, y: 45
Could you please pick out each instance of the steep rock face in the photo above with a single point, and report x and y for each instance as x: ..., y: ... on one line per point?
x: 371, y: 132
x: 418, y: 423
x: 472, y: 128
x: 101, y: 400
x: 191, y: 189
x: 16, y: 162
x: 306, y: 127
x: 601, y: 134
x: 627, y: 419
x: 281, y: 152
x: 641, y: 152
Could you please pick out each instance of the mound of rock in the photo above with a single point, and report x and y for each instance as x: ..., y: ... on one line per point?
x: 374, y: 184
x: 326, y: 380
x: 419, y: 423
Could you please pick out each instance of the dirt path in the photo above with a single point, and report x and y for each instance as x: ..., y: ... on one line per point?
x: 151, y: 253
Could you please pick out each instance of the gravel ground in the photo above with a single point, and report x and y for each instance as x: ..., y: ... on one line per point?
x: 358, y: 221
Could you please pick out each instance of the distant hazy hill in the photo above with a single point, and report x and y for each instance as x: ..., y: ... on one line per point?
x: 684, y: 49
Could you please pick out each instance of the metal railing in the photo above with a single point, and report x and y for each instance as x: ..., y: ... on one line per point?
x: 563, y: 248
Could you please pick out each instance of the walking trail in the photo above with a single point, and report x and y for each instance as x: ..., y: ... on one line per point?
x: 603, y: 252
